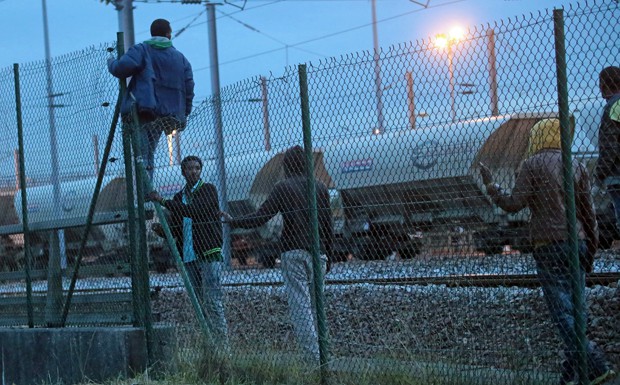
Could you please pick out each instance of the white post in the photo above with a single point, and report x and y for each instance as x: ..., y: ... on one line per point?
x: 125, y: 21
x: 492, y: 72
x: 169, y: 139
x: 96, y: 148
x: 16, y: 165
x: 410, y: 100
x: 57, y: 259
x: 266, y: 128
x: 177, y: 143
x: 376, y: 57
x: 217, y: 120
x: 451, y: 75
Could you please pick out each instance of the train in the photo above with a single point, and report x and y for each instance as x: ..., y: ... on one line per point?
x: 393, y: 193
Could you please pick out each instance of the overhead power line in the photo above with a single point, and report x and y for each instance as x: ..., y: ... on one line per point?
x: 191, y: 25
x: 295, y: 45
x: 180, y: 31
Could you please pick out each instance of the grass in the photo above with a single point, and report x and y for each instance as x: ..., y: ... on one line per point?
x: 269, y: 368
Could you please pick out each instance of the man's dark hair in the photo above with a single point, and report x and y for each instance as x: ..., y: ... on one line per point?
x: 191, y: 158
x: 610, y: 78
x: 294, y: 162
x: 160, y: 27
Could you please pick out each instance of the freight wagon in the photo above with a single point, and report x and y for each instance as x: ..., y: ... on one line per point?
x: 395, y: 192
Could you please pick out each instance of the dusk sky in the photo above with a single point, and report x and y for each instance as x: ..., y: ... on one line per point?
x: 271, y: 37
x: 253, y: 40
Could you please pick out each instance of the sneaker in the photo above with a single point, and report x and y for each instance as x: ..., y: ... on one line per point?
x: 601, y: 378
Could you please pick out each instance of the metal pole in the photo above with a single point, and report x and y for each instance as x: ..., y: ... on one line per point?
x: 96, y: 148
x: 177, y: 144
x: 22, y: 183
x: 267, y: 130
x: 125, y: 21
x: 410, y: 100
x: 451, y: 75
x: 577, y: 275
x: 377, y: 62
x: 217, y: 120
x: 131, y: 208
x: 314, y: 220
x: 492, y: 72
x: 142, y: 263
x: 16, y: 167
x: 53, y: 307
x: 170, y: 144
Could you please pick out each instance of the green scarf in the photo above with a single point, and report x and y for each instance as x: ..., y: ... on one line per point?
x: 159, y: 43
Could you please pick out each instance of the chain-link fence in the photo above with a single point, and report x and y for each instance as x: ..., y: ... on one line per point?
x: 457, y: 232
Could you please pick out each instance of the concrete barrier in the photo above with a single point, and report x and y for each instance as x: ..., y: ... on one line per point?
x: 73, y: 355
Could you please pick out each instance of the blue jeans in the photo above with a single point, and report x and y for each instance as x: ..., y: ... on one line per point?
x: 552, y: 263
x: 298, y: 274
x: 614, y: 193
x: 149, y: 138
x: 205, y: 279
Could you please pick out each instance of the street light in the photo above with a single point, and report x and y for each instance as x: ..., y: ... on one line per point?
x: 446, y: 41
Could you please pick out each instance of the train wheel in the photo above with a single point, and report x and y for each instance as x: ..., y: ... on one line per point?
x: 340, y: 256
x: 605, y: 242
x: 268, y: 261
x: 493, y: 250
x: 409, y: 252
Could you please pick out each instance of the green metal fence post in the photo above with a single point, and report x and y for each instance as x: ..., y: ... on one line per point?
x: 131, y: 212
x: 569, y: 188
x: 139, y: 263
x: 22, y: 186
x: 316, y: 262
x: 142, y: 273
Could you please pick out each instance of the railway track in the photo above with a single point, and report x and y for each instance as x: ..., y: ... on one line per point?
x: 172, y: 280
x: 476, y: 280
x: 480, y: 280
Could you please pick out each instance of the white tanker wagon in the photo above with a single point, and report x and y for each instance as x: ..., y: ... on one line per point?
x: 75, y: 200
x: 388, y: 189
x: 394, y: 185
x: 428, y: 179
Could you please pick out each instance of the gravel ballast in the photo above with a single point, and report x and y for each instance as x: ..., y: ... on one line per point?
x: 503, y: 327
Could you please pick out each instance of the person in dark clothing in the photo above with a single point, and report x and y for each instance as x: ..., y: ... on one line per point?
x: 161, y: 88
x: 539, y: 187
x: 196, y: 226
x: 289, y: 197
x: 607, y: 169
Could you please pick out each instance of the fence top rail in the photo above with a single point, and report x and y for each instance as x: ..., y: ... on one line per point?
x: 98, y: 219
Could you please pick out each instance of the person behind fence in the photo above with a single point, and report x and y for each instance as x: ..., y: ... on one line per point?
x: 539, y: 187
x: 196, y: 226
x: 161, y: 88
x: 289, y: 197
x: 607, y: 169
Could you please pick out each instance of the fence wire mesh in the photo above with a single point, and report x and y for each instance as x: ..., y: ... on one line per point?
x: 439, y: 176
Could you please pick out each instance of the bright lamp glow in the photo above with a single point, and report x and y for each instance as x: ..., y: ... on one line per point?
x: 441, y: 40
x: 456, y: 33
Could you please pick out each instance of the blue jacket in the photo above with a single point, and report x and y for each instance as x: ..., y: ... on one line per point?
x: 608, y: 165
x: 162, y: 81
